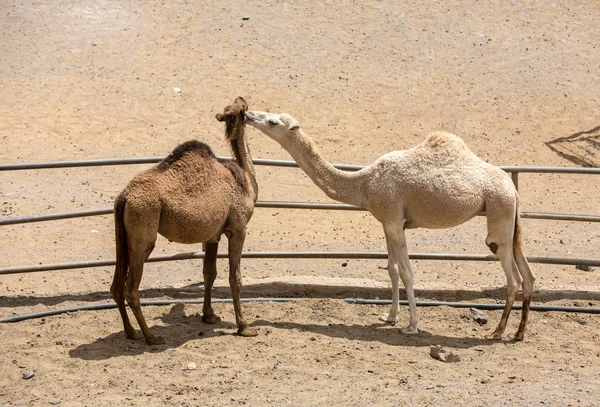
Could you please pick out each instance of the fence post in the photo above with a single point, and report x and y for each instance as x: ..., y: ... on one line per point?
x: 515, y: 179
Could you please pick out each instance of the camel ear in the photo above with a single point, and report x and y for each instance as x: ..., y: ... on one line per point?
x: 294, y: 126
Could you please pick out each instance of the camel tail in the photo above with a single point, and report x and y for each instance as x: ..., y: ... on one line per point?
x: 121, y: 239
x: 518, y: 236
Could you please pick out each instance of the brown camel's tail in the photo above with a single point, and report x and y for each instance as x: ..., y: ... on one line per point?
x: 122, y: 266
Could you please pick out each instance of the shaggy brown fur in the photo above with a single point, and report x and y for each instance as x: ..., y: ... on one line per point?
x: 189, y: 197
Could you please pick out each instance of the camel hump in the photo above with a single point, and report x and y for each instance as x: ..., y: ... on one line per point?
x: 191, y: 146
x: 439, y: 139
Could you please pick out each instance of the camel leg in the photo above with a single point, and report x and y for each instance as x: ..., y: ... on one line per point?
x: 116, y: 289
x: 399, y: 268
x: 209, y: 271
x: 528, y: 281
x: 513, y: 282
x: 136, y: 269
x: 236, y: 243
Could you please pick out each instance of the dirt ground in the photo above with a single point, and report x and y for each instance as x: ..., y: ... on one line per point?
x: 518, y: 80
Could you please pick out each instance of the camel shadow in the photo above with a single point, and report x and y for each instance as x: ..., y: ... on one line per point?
x: 580, y: 148
x: 177, y: 331
x: 383, y: 333
x: 180, y: 329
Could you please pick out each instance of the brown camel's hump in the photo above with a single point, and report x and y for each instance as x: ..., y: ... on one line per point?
x: 189, y: 147
x: 195, y: 148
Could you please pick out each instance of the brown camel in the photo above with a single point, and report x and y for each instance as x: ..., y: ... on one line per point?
x: 438, y: 184
x: 189, y: 197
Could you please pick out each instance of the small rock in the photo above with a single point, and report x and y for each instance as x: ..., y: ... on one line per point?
x: 325, y: 373
x: 437, y: 352
x: 585, y: 268
x: 54, y: 402
x: 485, y: 381
x: 190, y: 366
x: 245, y: 18
x: 544, y: 321
x: 583, y: 321
x: 478, y: 316
x: 344, y: 264
x: 28, y: 375
x: 177, y: 90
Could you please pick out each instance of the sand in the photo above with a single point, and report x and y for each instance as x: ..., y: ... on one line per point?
x: 517, y: 80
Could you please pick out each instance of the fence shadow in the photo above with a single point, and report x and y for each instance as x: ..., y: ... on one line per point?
x: 581, y: 148
x: 196, y: 292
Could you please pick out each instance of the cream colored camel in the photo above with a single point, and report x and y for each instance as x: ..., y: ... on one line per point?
x: 439, y: 183
x: 189, y: 197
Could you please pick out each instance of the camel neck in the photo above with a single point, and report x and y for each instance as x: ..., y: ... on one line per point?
x: 339, y: 185
x: 242, y: 155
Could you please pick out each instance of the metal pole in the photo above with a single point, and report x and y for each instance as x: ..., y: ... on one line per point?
x: 257, y: 161
x: 295, y: 255
x: 588, y: 310
x: 279, y: 204
x: 110, y: 305
x: 515, y: 179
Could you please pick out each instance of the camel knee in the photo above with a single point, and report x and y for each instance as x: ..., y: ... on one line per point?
x: 393, y: 268
x: 512, y: 288
x: 132, y: 297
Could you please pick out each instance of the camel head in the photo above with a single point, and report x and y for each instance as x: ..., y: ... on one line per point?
x: 277, y: 126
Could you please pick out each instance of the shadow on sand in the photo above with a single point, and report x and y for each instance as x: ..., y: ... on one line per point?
x: 581, y: 148
x: 180, y: 329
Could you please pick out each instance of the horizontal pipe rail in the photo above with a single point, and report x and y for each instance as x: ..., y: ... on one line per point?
x: 278, y: 204
x: 256, y: 161
x: 295, y: 255
x: 111, y: 305
x: 359, y: 301
x: 542, y: 308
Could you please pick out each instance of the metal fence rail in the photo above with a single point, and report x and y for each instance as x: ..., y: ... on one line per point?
x: 296, y: 255
x: 278, y: 204
x: 514, y: 170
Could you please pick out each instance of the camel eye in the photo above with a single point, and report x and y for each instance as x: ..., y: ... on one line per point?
x: 273, y: 122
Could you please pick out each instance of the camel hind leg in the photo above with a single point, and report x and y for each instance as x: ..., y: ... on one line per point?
x: 117, y: 290
x: 500, y: 242
x: 138, y: 256
x: 528, y: 278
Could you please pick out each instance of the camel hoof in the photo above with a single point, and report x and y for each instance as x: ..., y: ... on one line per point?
x: 494, y: 336
x: 409, y: 330
x: 247, y: 332
x: 211, y: 319
x: 135, y: 335
x: 519, y: 336
x: 155, y: 340
x: 388, y: 318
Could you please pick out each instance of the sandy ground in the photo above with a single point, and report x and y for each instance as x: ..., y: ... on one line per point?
x: 518, y: 80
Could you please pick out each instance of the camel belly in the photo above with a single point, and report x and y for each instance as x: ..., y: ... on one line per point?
x: 435, y: 213
x: 192, y: 226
